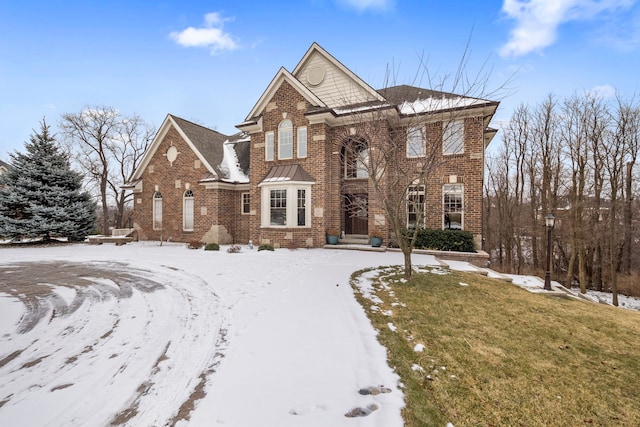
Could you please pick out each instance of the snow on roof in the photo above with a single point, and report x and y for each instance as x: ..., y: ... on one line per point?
x: 230, y: 165
x: 432, y: 104
x: 360, y: 108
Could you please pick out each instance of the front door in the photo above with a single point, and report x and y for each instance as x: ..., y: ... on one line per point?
x: 356, y: 214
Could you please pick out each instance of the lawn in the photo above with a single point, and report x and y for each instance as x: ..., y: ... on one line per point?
x: 494, y: 354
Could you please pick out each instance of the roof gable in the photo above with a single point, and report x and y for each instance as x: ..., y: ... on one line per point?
x: 331, y: 81
x: 205, y: 143
x: 282, y: 76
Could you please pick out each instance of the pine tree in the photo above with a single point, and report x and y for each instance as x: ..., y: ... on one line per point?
x: 40, y: 195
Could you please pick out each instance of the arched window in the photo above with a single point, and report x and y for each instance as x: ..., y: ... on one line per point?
x: 355, y: 158
x: 285, y: 140
x: 157, y: 210
x: 187, y: 211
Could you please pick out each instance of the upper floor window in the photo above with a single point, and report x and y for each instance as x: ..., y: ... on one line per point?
x: 453, y: 137
x: 188, y: 211
x: 302, y: 142
x: 453, y: 206
x: 268, y: 146
x: 416, y: 146
x: 246, y: 203
x: 157, y: 210
x: 355, y: 158
x: 285, y: 140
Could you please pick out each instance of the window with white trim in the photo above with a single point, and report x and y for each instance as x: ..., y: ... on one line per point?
x: 286, y: 205
x: 355, y: 158
x: 302, y: 207
x: 246, y: 203
x: 187, y: 210
x: 415, y: 206
x: 278, y: 207
x: 416, y: 145
x: 269, y: 146
x: 453, y: 206
x: 453, y: 137
x: 285, y: 139
x: 302, y: 142
x: 157, y: 210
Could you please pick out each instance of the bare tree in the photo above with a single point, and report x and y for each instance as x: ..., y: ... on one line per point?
x: 126, y: 151
x: 630, y: 112
x: 398, y: 146
x: 107, y: 147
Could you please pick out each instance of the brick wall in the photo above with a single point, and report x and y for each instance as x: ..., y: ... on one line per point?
x: 287, y: 103
x: 324, y: 164
x: 217, y: 215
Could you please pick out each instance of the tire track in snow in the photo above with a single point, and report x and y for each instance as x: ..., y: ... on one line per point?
x: 135, y: 342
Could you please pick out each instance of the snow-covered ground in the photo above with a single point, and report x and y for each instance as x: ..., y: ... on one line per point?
x: 139, y: 334
x: 149, y: 335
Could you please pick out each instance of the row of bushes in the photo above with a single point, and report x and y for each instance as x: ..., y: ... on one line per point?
x: 216, y: 247
x: 443, y: 240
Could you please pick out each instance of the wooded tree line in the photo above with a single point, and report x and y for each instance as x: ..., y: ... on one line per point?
x: 574, y: 158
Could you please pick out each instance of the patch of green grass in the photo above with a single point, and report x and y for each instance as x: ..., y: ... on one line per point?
x: 497, y: 355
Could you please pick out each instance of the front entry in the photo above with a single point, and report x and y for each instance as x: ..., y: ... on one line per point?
x: 356, y: 214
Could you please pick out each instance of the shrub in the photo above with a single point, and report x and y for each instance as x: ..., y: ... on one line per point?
x: 234, y: 249
x: 444, y: 240
x: 194, y: 244
x: 265, y: 248
x: 212, y: 247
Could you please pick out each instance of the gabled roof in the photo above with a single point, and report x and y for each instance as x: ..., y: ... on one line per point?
x: 317, y: 50
x: 207, y: 144
x: 282, y: 76
x: 335, y: 91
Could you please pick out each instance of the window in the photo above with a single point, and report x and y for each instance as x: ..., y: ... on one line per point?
x: 285, y: 140
x: 416, y: 146
x: 268, y: 146
x: 157, y: 210
x: 302, y: 142
x: 246, y: 203
x: 415, y: 206
x: 278, y: 210
x: 453, y: 138
x: 286, y: 205
x: 453, y: 206
x: 187, y: 211
x: 355, y: 156
x: 302, y: 208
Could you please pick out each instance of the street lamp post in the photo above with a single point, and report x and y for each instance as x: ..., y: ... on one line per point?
x: 549, y: 221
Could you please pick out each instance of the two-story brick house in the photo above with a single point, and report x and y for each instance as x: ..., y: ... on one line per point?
x: 297, y: 168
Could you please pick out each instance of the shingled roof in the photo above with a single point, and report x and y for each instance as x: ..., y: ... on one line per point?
x: 207, y: 141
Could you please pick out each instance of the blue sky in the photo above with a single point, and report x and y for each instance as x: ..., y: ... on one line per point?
x: 209, y: 61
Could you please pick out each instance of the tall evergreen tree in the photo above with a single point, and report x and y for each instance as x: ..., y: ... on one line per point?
x: 40, y: 195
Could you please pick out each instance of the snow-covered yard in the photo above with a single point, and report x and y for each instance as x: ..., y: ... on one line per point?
x: 149, y: 335
x: 145, y: 335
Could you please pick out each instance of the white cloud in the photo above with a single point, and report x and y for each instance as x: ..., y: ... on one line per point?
x: 362, y: 5
x: 211, y: 36
x: 537, y: 21
x: 603, y: 91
